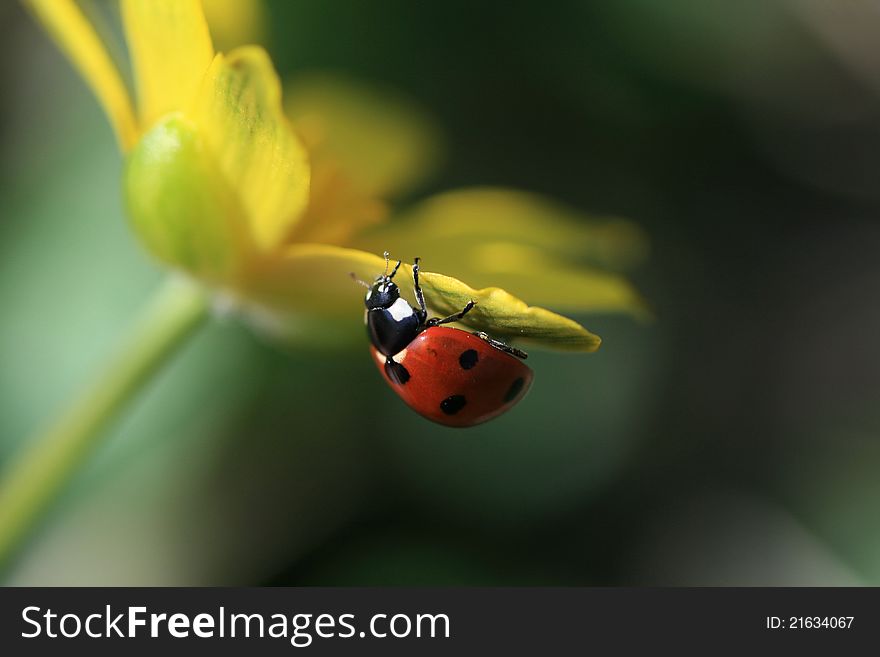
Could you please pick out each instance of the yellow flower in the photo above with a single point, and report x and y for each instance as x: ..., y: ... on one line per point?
x: 219, y: 185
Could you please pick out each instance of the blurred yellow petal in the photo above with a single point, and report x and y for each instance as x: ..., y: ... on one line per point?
x: 180, y: 204
x: 312, y: 280
x: 338, y: 208
x: 78, y: 40
x: 551, y: 281
x: 236, y: 22
x: 238, y: 112
x: 448, y: 227
x: 170, y: 50
x: 380, y: 138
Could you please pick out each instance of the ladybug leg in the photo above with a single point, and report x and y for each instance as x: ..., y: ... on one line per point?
x: 437, y: 321
x: 396, y: 372
x: 506, y: 348
x: 423, y: 308
x: 420, y: 297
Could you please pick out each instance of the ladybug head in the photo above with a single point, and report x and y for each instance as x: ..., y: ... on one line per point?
x: 384, y: 292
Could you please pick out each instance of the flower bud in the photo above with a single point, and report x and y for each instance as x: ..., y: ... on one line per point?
x: 180, y: 205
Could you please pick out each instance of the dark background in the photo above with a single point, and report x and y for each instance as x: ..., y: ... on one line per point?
x: 732, y: 441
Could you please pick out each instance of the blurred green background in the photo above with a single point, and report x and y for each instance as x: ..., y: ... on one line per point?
x: 733, y: 441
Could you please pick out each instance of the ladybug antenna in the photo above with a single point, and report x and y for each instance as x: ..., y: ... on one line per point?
x: 357, y: 280
x: 393, y: 271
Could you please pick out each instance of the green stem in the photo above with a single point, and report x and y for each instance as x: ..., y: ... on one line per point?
x: 49, y: 461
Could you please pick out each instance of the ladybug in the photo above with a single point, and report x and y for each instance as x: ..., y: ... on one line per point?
x: 448, y: 375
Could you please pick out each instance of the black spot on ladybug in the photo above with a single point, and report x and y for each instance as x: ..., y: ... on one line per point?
x: 396, y: 372
x: 515, y: 388
x: 453, y: 404
x: 468, y: 359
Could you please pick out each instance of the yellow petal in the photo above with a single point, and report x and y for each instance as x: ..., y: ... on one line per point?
x: 181, y: 205
x: 170, y: 49
x: 338, y: 208
x: 449, y: 227
x: 238, y: 112
x: 73, y: 34
x: 548, y: 280
x: 236, y: 22
x: 503, y: 315
x: 312, y: 280
x: 380, y: 138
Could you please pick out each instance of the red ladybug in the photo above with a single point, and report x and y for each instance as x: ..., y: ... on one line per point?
x: 447, y: 375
